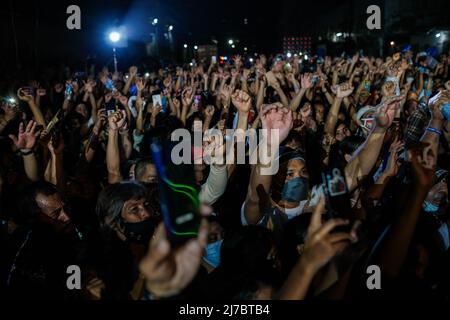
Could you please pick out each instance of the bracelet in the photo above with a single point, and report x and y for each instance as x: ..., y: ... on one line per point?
x: 26, y: 153
x: 434, y: 130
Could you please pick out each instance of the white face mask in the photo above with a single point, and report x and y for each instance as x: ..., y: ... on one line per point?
x: 293, y: 212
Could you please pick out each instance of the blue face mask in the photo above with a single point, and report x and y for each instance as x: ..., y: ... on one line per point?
x: 212, y: 255
x: 446, y: 111
x: 429, y: 207
x: 295, y: 190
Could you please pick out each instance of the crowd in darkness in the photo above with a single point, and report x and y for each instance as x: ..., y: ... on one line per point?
x: 79, y: 185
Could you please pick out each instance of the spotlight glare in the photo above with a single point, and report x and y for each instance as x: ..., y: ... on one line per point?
x: 250, y: 59
x: 185, y: 45
x: 339, y: 34
x: 438, y: 35
x: 114, y: 36
x: 170, y: 28
x: 289, y: 55
x: 230, y: 42
x: 392, y: 43
x: 155, y: 21
x: 195, y: 47
x: 233, y: 46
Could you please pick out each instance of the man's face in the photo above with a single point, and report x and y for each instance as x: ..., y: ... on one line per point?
x: 296, y: 169
x: 149, y: 175
x: 53, y: 212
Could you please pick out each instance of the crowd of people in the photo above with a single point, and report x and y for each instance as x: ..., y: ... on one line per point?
x: 79, y: 185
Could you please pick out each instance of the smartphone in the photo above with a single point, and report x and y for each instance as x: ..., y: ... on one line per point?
x: 69, y: 90
x: 109, y: 84
x: 178, y: 194
x: 110, y: 107
x: 214, y: 59
x: 198, y: 100
x: 156, y: 98
x: 315, y: 79
x: 337, y: 196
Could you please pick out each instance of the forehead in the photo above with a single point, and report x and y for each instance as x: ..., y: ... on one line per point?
x: 51, y: 202
x: 341, y: 126
x: 295, y: 165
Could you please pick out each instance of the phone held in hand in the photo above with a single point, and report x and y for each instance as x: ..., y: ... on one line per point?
x: 157, y: 101
x: 110, y: 108
x: 68, y: 92
x: 337, y: 196
x: 178, y: 194
x: 214, y: 59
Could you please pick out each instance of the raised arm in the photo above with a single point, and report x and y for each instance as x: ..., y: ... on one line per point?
x: 366, y: 155
x: 25, y: 142
x: 342, y: 91
x: 274, y: 117
x: 305, y: 85
x: 116, y: 122
x: 28, y: 98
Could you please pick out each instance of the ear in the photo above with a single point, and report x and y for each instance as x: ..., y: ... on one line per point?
x: 347, y: 157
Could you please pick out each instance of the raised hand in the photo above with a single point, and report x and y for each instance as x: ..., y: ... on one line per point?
x: 26, y: 140
x: 187, y: 96
x: 436, y: 102
x: 321, y: 244
x: 306, y: 81
x: 241, y: 101
x: 209, y: 112
x: 58, y: 149
x: 392, y: 164
x: 167, y: 270
x: 384, y: 116
x: 344, y: 90
x: 277, y: 117
x: 100, y: 121
x: 225, y: 94
x: 24, y: 95
x: 117, y: 120
x: 139, y: 84
x: 133, y: 71
x: 422, y: 163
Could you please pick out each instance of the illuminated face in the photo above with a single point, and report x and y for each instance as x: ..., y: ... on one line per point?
x: 53, y: 212
x: 342, y: 132
x: 136, y: 210
x: 296, y: 169
x: 149, y: 175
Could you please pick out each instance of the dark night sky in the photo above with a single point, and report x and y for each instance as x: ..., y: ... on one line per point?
x: 41, y: 32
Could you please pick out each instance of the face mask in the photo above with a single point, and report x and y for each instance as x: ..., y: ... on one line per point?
x: 429, y: 207
x: 295, y: 190
x: 212, y: 255
x: 446, y: 111
x: 139, y: 232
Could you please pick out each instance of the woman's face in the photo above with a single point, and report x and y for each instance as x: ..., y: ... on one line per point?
x: 296, y: 169
x: 342, y: 132
x: 136, y: 210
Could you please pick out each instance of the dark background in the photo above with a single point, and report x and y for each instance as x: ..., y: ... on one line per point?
x: 34, y: 33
